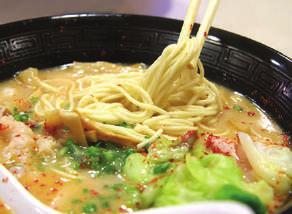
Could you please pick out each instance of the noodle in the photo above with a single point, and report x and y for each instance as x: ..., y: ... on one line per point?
x: 156, y: 102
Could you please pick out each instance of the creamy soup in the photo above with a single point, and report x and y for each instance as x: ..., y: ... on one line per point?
x: 103, y: 176
x: 4, y: 208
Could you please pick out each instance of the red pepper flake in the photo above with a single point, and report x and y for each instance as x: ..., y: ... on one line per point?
x: 140, y: 187
x: 251, y: 113
x: 189, y: 137
x: 155, y: 155
x: 14, y: 171
x: 27, y: 187
x: 226, y: 108
x: 144, y: 153
x: 35, y: 180
x: 43, y: 174
x: 153, y: 145
x: 50, y: 129
x: 154, y: 180
x: 5, y: 180
x: 42, y: 185
x: 35, y: 148
x: 221, y: 145
x: 59, y: 182
x: 53, y: 189
x: 22, y: 105
x: 3, y: 127
x: 93, y: 192
x: 18, y: 135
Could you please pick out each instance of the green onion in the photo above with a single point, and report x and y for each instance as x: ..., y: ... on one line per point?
x: 89, y: 208
x: 34, y: 100
x: 67, y: 106
x: 21, y: 116
x: 161, y: 168
x: 105, y: 204
x: 76, y: 201
x: 237, y: 108
x: 126, y: 125
x: 85, y: 190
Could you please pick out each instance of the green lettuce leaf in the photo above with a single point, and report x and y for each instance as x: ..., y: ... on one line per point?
x: 137, y: 169
x: 203, y: 179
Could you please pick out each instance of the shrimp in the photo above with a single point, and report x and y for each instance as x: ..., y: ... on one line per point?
x: 18, y: 136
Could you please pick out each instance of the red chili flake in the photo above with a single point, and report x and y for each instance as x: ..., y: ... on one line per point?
x: 222, y: 145
x: 50, y: 129
x: 42, y: 185
x: 140, y: 187
x: 226, y: 108
x: 43, y: 174
x: 251, y: 113
x: 53, y: 189
x: 93, y: 192
x: 5, y: 180
x: 27, y: 187
x: 205, y: 34
x: 35, y: 148
x: 3, y: 127
x: 154, y: 180
x: 59, y: 182
x: 144, y: 153
x: 22, y: 104
x: 155, y: 155
x: 35, y: 180
x: 18, y: 135
x: 14, y: 171
x: 242, y: 122
x: 153, y: 145
x: 189, y: 137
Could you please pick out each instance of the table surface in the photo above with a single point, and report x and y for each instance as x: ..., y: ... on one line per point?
x: 266, y: 21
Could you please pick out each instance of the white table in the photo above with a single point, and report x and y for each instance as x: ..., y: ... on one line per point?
x: 266, y: 21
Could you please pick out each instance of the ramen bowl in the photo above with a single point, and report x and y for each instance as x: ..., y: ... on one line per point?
x: 250, y: 68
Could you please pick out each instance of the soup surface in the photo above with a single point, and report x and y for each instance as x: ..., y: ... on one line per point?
x: 4, y: 208
x: 244, y: 153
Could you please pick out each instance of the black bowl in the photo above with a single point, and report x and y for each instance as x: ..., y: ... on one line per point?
x: 255, y: 70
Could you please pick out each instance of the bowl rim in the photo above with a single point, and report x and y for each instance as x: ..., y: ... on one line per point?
x: 247, y: 44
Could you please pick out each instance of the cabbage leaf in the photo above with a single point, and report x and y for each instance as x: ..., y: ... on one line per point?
x: 206, y: 178
x: 270, y: 162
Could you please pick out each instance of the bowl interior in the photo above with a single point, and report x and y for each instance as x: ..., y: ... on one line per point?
x: 241, y: 64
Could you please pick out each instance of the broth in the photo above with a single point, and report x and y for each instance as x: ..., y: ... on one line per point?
x: 84, y: 190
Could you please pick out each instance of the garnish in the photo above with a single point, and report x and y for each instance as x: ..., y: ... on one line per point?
x: 237, y: 108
